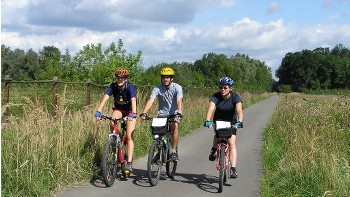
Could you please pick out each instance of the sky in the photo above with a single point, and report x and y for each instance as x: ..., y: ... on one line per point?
x: 178, y: 30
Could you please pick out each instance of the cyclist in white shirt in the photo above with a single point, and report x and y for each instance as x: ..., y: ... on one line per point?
x: 170, y: 97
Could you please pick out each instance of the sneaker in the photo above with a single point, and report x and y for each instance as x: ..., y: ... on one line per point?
x: 233, y: 173
x: 174, y: 156
x: 212, y: 155
x: 128, y: 167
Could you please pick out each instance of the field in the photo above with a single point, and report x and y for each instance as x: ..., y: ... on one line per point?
x: 307, y: 147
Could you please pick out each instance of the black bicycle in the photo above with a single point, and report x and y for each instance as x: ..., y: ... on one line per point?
x: 160, y: 150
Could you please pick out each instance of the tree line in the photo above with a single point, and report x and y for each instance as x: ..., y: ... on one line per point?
x: 96, y: 64
x: 319, y: 69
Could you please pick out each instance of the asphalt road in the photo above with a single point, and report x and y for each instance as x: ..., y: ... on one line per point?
x: 196, y: 175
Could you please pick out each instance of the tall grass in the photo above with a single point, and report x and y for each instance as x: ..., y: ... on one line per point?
x: 42, y: 154
x: 307, y: 147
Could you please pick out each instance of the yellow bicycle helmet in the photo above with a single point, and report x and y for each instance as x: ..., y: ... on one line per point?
x: 167, y: 71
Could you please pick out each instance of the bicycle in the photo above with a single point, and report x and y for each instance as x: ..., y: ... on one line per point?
x: 114, y: 156
x: 223, y: 131
x: 160, y: 150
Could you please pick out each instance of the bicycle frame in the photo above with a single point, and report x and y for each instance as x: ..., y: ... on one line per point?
x: 222, y: 142
x: 119, y: 138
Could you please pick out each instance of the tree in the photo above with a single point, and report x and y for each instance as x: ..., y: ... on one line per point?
x: 49, y: 61
x: 318, y: 69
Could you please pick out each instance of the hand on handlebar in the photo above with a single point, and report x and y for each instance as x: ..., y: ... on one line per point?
x: 239, y: 125
x: 143, y: 116
x: 208, y: 124
x: 131, y: 116
x: 178, y: 117
x: 98, y: 115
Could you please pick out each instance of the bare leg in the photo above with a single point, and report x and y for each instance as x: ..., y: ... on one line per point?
x: 175, y: 134
x: 233, y: 150
x: 130, y: 128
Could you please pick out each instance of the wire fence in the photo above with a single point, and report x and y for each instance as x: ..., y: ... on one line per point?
x: 73, y: 95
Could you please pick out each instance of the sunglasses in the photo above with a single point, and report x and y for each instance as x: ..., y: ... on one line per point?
x: 121, y: 77
x: 223, y: 87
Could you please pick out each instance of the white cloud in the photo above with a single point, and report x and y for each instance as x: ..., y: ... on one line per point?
x: 160, y: 29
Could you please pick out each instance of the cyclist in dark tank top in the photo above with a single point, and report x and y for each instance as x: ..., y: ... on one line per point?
x: 124, y: 105
x: 228, y: 107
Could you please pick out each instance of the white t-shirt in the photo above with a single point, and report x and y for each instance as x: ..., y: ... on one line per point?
x: 167, y: 104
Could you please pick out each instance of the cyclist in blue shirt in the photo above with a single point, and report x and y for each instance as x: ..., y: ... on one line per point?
x: 124, y: 105
x: 228, y: 107
x: 170, y: 97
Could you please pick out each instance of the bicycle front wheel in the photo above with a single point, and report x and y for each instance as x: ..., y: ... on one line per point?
x: 155, y: 162
x: 109, y: 163
x: 222, y: 167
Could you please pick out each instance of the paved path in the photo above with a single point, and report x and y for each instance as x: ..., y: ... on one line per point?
x: 196, y: 175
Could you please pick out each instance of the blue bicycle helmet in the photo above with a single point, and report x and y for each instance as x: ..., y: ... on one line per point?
x: 226, y: 81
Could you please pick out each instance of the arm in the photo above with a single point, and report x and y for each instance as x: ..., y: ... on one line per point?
x: 239, y: 110
x: 103, y: 102
x: 133, y: 105
x: 148, y: 105
x: 210, y: 111
x: 179, y: 105
x: 100, y: 107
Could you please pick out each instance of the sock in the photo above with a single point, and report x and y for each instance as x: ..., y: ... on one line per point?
x: 173, y: 150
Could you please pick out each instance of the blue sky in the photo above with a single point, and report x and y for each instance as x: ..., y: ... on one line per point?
x: 178, y: 30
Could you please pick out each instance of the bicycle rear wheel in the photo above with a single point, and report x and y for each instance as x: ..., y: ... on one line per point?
x: 155, y: 162
x: 170, y: 165
x: 109, y: 162
x: 222, y: 167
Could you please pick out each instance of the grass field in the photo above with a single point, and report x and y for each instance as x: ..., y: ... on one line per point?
x: 307, y: 147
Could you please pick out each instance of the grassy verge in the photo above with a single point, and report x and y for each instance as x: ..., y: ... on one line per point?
x: 41, y: 154
x: 307, y: 147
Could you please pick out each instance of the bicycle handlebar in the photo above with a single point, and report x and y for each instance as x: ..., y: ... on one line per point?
x: 232, y: 126
x: 115, y: 120
x: 168, y: 119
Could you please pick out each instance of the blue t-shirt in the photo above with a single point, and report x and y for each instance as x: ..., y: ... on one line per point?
x: 167, y: 98
x: 225, y: 109
x: 122, y: 98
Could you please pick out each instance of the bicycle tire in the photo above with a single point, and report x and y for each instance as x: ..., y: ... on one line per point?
x: 228, y: 168
x: 222, y: 166
x: 171, y: 165
x: 154, y: 163
x: 109, y: 163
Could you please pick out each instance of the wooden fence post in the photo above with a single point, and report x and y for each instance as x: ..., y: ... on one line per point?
x: 7, y: 93
x: 88, y: 91
x: 54, y: 95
